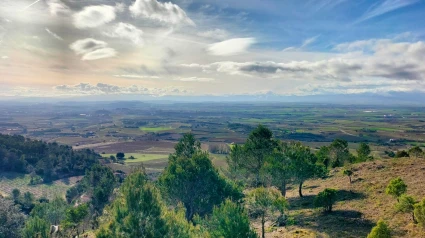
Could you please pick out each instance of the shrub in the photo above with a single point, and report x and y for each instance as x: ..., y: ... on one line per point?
x: 407, y: 205
x: 326, y: 199
x: 396, y: 188
x: 401, y: 154
x: 381, y: 230
x: 419, y: 212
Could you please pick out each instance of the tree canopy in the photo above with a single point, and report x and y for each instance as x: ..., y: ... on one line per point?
x: 194, y: 181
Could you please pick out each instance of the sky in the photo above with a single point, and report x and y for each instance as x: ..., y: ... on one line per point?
x: 76, y: 48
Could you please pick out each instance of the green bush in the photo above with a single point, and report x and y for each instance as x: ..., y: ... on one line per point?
x: 396, y: 188
x: 326, y: 199
x: 381, y: 230
x: 419, y: 212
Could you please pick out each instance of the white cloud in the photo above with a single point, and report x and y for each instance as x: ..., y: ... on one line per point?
x: 5, y: 57
x: 136, y: 76
x: 379, y: 59
x: 195, y: 79
x: 110, y: 89
x: 217, y: 34
x: 309, y: 41
x: 87, y: 45
x: 94, y: 16
x: 230, y: 47
x: 100, y: 54
x: 163, y: 12
x: 92, y: 49
x: 53, y: 34
x: 384, y: 7
x: 127, y: 31
x: 58, y: 8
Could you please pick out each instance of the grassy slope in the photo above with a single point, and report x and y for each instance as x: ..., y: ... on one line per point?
x: 358, y: 211
x: 10, y: 181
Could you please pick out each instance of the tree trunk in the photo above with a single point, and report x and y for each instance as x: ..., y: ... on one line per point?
x: 283, y: 188
x: 414, y: 219
x: 263, y: 234
x: 349, y: 178
x: 257, y: 179
x: 300, y: 192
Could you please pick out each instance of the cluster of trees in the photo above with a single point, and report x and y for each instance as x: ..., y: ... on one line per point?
x: 47, y: 160
x: 190, y: 199
x: 266, y: 161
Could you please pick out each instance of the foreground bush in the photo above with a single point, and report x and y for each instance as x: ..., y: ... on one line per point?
x: 381, y: 230
x: 229, y: 220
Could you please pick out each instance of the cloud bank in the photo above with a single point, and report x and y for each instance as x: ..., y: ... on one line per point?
x: 92, y: 49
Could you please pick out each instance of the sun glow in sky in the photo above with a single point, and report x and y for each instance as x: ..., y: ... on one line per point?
x: 55, y: 48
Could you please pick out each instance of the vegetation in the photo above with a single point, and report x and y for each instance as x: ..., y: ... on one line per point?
x: 138, y: 211
x: 363, y: 151
x: 326, y: 199
x: 348, y: 173
x: 48, y: 160
x: 265, y: 203
x: 36, y: 227
x: 190, y: 178
x: 381, y: 230
x: 419, y: 212
x: 396, y: 188
x: 407, y: 205
x: 11, y: 220
x: 229, y: 220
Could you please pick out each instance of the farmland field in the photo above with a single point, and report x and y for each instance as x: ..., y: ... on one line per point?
x: 149, y: 131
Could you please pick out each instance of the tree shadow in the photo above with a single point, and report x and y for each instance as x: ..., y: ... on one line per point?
x: 307, y: 201
x: 339, y: 223
x: 66, y: 181
x: 304, y: 202
x: 345, y: 195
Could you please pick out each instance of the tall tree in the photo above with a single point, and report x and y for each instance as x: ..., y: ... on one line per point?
x: 339, y: 153
x: 194, y: 181
x: 265, y: 203
x: 363, y: 151
x: 139, y: 212
x: 278, y: 165
x: 259, y: 145
x: 303, y: 164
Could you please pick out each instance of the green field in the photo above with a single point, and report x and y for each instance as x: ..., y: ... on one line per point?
x: 140, y: 157
x: 155, y: 129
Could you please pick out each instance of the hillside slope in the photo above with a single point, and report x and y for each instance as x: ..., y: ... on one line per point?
x: 358, y: 210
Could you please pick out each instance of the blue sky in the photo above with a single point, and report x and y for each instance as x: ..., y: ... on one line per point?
x: 62, y: 48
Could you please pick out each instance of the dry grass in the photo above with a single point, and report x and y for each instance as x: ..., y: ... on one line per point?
x: 360, y: 205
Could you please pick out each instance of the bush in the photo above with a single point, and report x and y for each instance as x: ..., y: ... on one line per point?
x: 326, y: 199
x: 381, y: 230
x: 407, y: 205
x: 419, y: 212
x: 396, y: 188
x: 401, y: 154
x: 229, y: 220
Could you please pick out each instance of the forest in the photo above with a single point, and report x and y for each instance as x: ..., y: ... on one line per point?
x: 191, y: 197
